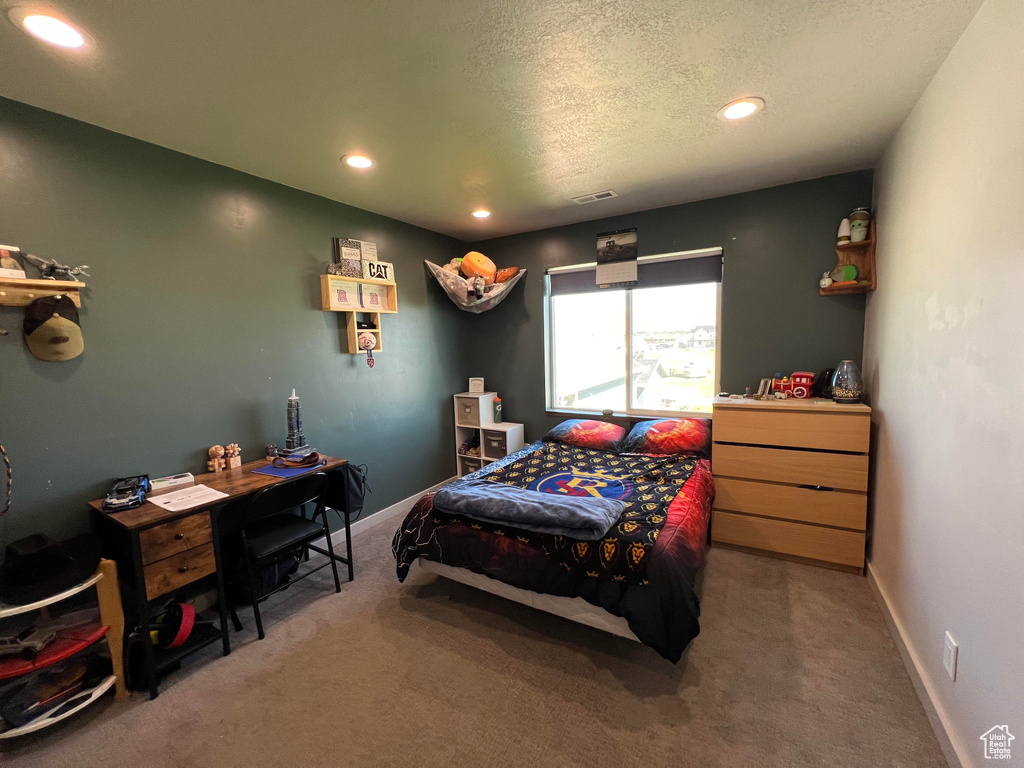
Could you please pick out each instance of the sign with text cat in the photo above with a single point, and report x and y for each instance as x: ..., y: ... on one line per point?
x: 378, y: 270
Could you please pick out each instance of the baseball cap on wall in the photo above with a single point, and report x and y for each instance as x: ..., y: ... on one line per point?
x: 52, y: 329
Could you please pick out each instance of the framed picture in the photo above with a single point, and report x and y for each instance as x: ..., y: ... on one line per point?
x: 764, y: 389
x: 11, y: 263
x: 476, y: 386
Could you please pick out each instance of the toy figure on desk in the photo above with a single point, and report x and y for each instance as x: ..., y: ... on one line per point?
x: 232, y: 456
x: 216, y: 462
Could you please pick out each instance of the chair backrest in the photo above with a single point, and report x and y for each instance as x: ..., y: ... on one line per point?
x: 286, y: 496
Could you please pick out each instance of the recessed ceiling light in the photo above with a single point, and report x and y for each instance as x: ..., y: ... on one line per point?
x: 358, y: 161
x: 737, y: 110
x: 481, y: 214
x: 48, y: 28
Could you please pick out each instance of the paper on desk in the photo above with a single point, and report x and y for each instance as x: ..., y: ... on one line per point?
x: 186, y: 498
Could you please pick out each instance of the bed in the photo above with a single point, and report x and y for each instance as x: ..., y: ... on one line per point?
x: 637, y: 580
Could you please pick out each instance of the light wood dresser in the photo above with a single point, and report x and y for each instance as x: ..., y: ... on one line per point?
x: 791, y: 479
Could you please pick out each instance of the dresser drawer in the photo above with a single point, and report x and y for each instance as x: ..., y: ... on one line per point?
x: 178, y: 570
x: 834, y: 470
x: 811, y: 541
x: 495, y: 445
x: 789, y: 502
x: 171, y: 538
x: 824, y: 431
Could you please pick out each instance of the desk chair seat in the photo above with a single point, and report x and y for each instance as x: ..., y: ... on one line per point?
x: 271, y: 527
x: 284, y: 532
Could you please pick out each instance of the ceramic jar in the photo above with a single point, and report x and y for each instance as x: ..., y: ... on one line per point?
x: 847, y: 383
x: 859, y: 224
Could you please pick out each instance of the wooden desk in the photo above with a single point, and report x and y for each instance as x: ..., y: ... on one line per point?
x: 159, y: 552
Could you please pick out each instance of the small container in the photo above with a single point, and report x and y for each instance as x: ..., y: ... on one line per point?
x: 497, y: 410
x: 859, y: 224
x: 843, y: 235
x: 847, y: 383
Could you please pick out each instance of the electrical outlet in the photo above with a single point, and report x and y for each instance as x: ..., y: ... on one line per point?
x: 949, y: 651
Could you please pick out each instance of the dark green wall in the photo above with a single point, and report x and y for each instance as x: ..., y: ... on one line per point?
x: 776, y: 243
x: 202, y: 313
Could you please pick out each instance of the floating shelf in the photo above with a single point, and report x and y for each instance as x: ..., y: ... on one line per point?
x: 356, y: 296
x: 354, y: 331
x: 862, y: 256
x: 22, y: 291
x: 347, y: 294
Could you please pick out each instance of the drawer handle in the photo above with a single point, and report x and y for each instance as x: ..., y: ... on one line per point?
x: 183, y: 569
x: 817, y: 488
x: 179, y: 536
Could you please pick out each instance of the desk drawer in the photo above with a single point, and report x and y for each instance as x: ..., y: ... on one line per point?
x: 171, y: 538
x: 823, y: 431
x: 811, y: 541
x: 178, y: 570
x: 845, y: 471
x: 789, y: 502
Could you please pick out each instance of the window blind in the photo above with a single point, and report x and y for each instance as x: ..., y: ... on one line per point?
x: 703, y: 266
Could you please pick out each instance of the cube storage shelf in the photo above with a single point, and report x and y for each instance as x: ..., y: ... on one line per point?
x: 474, y: 418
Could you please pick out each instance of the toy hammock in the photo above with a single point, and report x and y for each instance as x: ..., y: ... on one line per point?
x: 465, y: 298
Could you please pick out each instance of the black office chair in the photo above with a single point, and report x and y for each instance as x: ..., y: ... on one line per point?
x: 270, y: 526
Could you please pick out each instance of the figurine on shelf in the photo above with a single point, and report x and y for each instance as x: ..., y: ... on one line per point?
x: 216, y: 462
x: 271, y: 452
x: 52, y: 270
x: 232, y: 456
x: 826, y: 280
x: 803, y: 382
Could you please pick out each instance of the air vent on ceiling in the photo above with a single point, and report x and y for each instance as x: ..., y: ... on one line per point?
x: 584, y: 199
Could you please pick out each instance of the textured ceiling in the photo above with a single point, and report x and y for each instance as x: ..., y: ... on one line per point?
x: 515, y: 106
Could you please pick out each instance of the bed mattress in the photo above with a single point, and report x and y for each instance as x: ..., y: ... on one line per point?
x: 643, y: 571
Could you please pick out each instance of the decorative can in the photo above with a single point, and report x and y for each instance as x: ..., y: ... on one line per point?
x: 859, y: 224
x: 847, y: 383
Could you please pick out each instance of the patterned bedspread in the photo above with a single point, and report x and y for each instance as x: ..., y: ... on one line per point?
x: 644, y: 568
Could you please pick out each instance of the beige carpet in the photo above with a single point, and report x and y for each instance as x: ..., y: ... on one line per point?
x: 794, y: 667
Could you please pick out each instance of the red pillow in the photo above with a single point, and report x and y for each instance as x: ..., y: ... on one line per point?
x: 669, y: 437
x: 587, y: 434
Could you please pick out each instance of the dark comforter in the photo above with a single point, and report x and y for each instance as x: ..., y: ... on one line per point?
x: 644, y: 568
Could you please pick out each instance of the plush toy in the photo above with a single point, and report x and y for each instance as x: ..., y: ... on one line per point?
x: 506, y: 274
x: 475, y: 264
x: 826, y: 280
x: 844, y: 273
x: 454, y: 266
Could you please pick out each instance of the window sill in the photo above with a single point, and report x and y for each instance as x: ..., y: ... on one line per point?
x: 631, y: 418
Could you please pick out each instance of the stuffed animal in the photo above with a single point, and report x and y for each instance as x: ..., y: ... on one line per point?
x: 454, y: 266
x: 475, y: 264
x: 826, y: 280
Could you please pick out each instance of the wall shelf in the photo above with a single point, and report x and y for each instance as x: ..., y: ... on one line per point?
x: 356, y: 296
x: 337, y: 295
x: 862, y: 256
x: 22, y: 291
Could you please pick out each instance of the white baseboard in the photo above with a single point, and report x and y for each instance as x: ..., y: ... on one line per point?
x: 936, y: 714
x: 398, y: 508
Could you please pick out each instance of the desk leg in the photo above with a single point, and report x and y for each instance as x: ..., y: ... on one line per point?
x: 348, y: 543
x: 222, y: 602
x: 142, y: 603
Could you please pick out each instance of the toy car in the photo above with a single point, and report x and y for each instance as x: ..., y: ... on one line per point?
x: 27, y: 643
x: 127, y: 493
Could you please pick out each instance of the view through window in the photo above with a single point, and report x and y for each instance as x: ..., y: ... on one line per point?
x: 671, y: 357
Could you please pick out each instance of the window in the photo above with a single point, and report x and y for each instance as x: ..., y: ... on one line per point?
x: 649, y: 349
